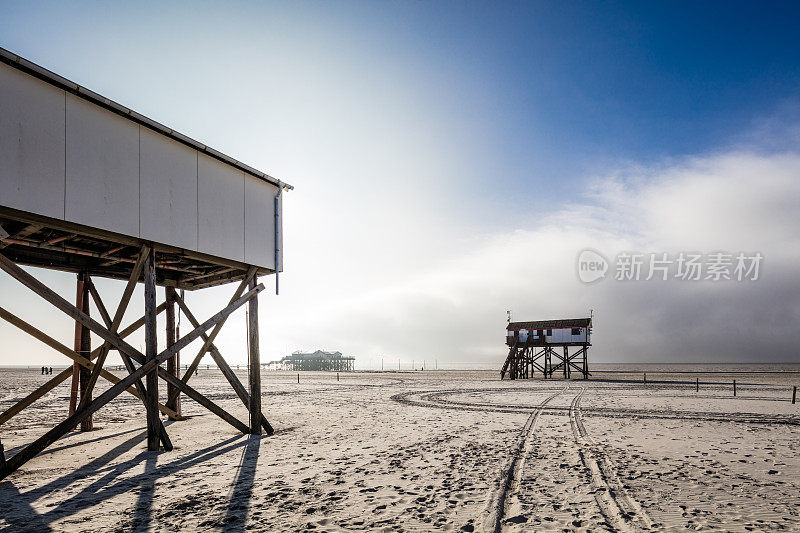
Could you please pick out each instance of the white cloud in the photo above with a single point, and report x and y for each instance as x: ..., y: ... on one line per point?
x: 455, y: 309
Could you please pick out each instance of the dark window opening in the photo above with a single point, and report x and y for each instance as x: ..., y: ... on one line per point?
x: 576, y: 331
x: 549, y: 332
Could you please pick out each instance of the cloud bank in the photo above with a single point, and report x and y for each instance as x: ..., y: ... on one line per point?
x: 452, y: 308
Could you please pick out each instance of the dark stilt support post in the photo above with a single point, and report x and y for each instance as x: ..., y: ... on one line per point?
x: 85, y: 350
x: 174, y: 362
x: 585, y: 362
x: 76, y: 368
x: 151, y: 350
x: 81, y: 374
x: 255, y: 363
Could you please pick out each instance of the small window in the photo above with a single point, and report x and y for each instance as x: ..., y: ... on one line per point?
x: 576, y: 331
x: 549, y: 332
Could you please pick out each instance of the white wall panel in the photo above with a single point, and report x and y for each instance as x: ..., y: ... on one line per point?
x: 64, y: 157
x: 31, y: 144
x: 220, y: 193
x: 168, y: 191
x: 259, y: 232
x: 102, y: 173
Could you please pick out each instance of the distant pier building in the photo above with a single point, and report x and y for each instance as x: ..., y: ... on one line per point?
x: 319, y: 361
x: 548, y: 346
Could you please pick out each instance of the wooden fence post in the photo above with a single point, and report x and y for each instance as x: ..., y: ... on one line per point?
x: 734, y: 387
x: 794, y: 393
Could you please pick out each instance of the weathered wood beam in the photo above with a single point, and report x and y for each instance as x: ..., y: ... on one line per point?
x: 254, y: 374
x: 73, y: 391
x: 61, y: 429
x: 30, y: 229
x: 123, y: 347
x: 203, y: 276
x: 151, y: 348
x: 86, y: 253
x: 61, y: 238
x: 111, y: 251
x: 59, y: 378
x: 54, y: 382
x: 64, y: 375
x: 224, y: 367
x: 113, y: 325
x: 174, y: 362
x: 140, y: 389
x: 85, y: 348
x: 210, y: 339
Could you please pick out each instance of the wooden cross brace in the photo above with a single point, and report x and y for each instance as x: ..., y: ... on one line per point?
x: 114, y: 340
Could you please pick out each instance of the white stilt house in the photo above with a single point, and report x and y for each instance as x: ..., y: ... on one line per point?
x: 92, y: 187
x: 532, y: 346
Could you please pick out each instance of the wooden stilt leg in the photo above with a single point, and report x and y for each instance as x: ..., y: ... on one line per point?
x: 66, y: 373
x: 209, y: 339
x: 76, y: 368
x: 255, y: 364
x: 173, y: 363
x: 151, y: 351
x: 116, y: 341
x: 61, y: 429
x: 223, y: 366
x: 85, y: 349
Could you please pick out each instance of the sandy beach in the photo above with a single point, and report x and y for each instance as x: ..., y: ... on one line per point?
x: 417, y: 451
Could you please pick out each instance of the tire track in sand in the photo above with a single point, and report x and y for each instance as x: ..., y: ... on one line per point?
x: 621, y: 511
x: 509, y: 482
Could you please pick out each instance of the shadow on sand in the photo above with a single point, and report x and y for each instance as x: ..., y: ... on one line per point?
x: 19, y: 514
x: 239, y: 504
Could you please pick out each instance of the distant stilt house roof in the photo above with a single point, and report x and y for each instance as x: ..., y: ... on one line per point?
x: 552, y: 324
x: 318, y: 360
x: 319, y: 354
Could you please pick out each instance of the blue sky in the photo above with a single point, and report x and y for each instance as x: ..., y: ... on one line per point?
x: 421, y: 136
x: 541, y: 91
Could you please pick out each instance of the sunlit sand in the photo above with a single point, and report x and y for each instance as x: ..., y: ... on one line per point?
x: 425, y: 450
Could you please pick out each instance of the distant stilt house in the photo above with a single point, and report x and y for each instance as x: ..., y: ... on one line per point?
x: 535, y: 345
x: 319, y: 361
